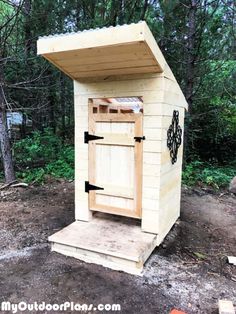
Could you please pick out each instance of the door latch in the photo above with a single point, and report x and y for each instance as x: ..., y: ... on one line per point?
x: 139, y: 138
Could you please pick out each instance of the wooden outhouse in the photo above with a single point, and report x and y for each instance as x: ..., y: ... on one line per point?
x: 129, y: 121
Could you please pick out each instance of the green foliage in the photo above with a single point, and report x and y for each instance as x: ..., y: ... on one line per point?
x: 212, y: 125
x: 64, y: 166
x: 1, y: 175
x: 38, y: 147
x: 32, y: 175
x: 42, y: 155
x: 200, y: 173
x: 211, y: 122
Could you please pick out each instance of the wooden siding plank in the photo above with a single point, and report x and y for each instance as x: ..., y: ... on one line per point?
x: 151, y: 181
x: 147, y: 84
x: 152, y: 158
x: 129, y: 70
x: 153, y: 122
x: 108, y: 65
x: 150, y: 221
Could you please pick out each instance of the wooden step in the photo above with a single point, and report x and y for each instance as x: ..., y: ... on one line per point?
x: 114, y: 242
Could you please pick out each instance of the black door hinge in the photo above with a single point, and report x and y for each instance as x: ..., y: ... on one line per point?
x: 89, y: 137
x: 90, y: 187
x: 139, y: 138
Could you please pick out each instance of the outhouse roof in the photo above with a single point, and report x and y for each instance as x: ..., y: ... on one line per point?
x: 125, y: 49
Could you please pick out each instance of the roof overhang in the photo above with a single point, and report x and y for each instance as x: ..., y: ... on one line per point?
x: 126, y: 49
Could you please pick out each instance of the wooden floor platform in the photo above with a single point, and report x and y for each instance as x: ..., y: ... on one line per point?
x: 111, y: 241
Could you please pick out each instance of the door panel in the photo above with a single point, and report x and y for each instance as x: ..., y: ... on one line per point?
x: 115, y: 165
x: 119, y: 202
x: 115, y: 162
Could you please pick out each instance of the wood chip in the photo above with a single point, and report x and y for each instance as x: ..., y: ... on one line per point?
x: 226, y: 307
x: 2, y: 187
x: 232, y: 260
x: 21, y: 185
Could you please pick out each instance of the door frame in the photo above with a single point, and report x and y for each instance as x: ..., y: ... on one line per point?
x: 137, y: 119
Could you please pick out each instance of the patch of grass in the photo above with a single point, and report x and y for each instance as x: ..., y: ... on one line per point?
x: 202, y: 173
x: 1, y: 176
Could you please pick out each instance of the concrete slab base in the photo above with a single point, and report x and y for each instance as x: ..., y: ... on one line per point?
x: 111, y: 241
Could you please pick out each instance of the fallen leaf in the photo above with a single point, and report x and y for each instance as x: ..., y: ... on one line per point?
x: 199, y: 255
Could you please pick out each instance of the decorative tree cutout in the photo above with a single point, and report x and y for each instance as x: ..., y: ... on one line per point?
x: 174, y: 137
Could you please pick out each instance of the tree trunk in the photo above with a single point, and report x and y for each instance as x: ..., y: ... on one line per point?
x: 121, y: 12
x: 27, y: 27
x: 4, y: 137
x: 63, y: 106
x: 23, y: 126
x: 191, y: 57
x: 144, y: 10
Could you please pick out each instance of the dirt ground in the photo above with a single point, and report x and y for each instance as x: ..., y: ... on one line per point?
x: 188, y: 272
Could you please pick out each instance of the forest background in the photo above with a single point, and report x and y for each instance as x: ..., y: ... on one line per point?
x: 197, y: 38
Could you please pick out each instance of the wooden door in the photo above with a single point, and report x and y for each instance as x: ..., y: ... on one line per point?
x: 115, y: 162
